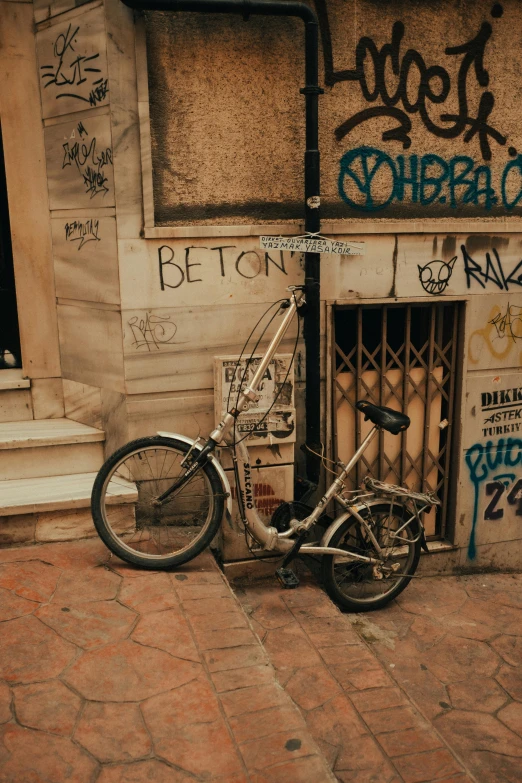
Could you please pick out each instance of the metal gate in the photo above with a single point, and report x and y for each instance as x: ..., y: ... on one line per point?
x: 405, y: 357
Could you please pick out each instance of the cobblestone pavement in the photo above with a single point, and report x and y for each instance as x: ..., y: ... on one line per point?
x: 116, y: 675
x: 427, y: 689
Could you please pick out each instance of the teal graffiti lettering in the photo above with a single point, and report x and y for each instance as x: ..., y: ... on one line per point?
x: 482, y: 461
x: 371, y: 180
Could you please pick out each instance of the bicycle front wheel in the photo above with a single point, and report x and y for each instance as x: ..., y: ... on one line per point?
x: 137, y: 527
x: 359, y: 586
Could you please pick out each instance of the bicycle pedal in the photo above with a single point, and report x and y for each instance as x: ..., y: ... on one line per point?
x: 287, y: 578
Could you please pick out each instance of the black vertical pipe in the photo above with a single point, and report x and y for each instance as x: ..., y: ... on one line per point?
x: 311, y: 91
x: 312, y: 260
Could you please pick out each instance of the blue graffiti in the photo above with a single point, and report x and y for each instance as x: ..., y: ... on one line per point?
x: 482, y: 461
x: 370, y: 180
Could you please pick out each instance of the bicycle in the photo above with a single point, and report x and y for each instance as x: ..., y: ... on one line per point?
x: 179, y: 493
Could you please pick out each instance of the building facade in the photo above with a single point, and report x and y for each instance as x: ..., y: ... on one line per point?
x: 145, y: 155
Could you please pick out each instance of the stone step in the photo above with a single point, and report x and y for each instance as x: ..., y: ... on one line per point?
x: 48, y: 447
x: 51, y: 493
x: 46, y: 432
x: 12, y: 379
x: 53, y: 508
x: 15, y: 397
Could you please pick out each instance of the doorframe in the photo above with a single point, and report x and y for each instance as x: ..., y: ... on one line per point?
x: 27, y: 192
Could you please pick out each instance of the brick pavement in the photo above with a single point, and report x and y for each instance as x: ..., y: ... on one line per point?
x: 110, y: 674
x: 116, y: 675
x: 427, y: 689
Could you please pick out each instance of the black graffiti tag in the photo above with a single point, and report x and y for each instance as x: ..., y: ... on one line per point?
x: 71, y: 73
x: 509, y: 323
x: 435, y: 276
x: 152, y: 331
x: 417, y: 87
x: 90, y: 163
x: 82, y: 231
x: 491, y: 271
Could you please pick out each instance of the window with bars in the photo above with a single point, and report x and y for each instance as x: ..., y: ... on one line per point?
x: 405, y: 357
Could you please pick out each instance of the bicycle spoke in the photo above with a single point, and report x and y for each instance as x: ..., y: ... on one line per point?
x: 364, y: 582
x: 154, y: 529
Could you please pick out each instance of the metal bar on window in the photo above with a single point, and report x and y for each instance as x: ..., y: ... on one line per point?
x: 423, y: 377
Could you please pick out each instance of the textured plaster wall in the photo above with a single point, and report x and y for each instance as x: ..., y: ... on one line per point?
x: 420, y: 116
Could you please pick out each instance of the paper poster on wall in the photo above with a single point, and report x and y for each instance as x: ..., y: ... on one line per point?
x: 271, y: 419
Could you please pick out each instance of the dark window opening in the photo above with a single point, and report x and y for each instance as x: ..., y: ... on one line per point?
x: 10, y: 353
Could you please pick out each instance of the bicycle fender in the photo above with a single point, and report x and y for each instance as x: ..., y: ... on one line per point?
x: 217, y: 465
x: 336, y: 524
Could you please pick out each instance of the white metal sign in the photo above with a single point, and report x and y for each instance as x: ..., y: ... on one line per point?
x: 312, y: 243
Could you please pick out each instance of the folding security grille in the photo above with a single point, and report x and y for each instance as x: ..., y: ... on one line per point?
x: 404, y: 357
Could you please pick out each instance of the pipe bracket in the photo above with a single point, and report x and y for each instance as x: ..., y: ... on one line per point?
x: 311, y: 89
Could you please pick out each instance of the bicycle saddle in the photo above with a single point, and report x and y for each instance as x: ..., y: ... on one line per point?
x: 383, y: 417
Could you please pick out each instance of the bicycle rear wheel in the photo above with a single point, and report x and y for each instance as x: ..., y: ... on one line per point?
x: 139, y: 529
x: 358, y: 586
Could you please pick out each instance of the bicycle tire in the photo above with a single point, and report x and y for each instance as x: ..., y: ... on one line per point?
x: 140, y: 509
x: 354, y: 573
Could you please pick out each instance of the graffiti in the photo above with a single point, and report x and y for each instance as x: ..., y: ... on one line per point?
x: 509, y: 325
x: 90, y: 163
x: 152, y: 331
x: 249, y: 264
x: 370, y: 180
x: 82, y: 231
x: 490, y: 337
x: 99, y: 91
x: 406, y: 86
x: 435, y: 276
x: 482, y: 462
x: 71, y: 70
x: 497, y: 488
x: 491, y: 271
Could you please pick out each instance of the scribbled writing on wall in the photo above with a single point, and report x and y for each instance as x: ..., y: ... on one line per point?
x: 82, y: 231
x: 90, y: 161
x: 72, y: 74
x: 178, y: 268
x: 508, y: 324
x: 151, y: 331
x: 494, y: 463
x: 405, y: 85
x: 491, y: 272
x: 499, y: 336
x: 370, y: 180
x: 435, y: 276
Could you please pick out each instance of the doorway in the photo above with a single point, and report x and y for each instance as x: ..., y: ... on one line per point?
x: 10, y: 353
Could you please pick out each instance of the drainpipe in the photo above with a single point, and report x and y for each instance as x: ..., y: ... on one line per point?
x: 311, y: 91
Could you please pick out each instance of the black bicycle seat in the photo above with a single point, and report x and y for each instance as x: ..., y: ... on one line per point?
x: 383, y: 417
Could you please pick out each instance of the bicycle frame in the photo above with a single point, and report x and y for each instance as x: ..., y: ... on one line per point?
x: 269, y: 538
